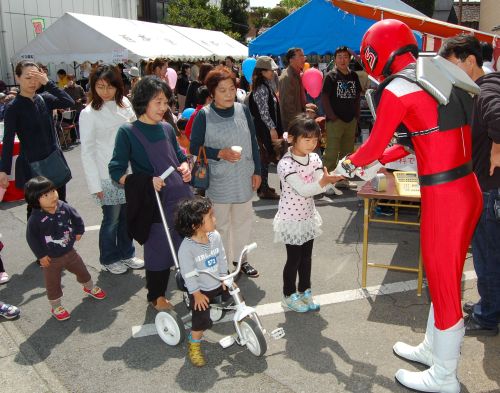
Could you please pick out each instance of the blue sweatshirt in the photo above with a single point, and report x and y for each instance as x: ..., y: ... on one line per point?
x: 54, y: 234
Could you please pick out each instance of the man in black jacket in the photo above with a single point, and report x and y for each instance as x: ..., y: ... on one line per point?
x: 340, y: 98
x: 484, y: 316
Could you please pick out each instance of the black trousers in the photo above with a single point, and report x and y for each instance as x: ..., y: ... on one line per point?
x: 156, y: 283
x: 61, y: 191
x: 298, y: 260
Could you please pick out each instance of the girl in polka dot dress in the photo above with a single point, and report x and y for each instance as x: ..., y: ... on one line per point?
x: 298, y: 222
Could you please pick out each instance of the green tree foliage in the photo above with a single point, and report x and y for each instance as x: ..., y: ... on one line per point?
x: 292, y: 5
x: 424, y: 6
x: 237, y: 12
x: 198, y: 14
x: 260, y: 17
x: 276, y: 14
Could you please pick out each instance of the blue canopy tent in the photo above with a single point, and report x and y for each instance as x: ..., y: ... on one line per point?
x: 318, y: 27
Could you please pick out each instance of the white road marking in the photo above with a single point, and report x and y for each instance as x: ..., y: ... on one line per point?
x: 92, y: 228
x: 325, y: 299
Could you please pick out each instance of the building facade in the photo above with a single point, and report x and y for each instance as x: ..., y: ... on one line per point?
x: 490, y: 16
x: 21, y: 21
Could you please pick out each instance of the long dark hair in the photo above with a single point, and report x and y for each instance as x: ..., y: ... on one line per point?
x: 258, y: 78
x: 110, y: 74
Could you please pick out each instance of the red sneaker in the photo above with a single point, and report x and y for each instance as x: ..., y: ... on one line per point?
x: 60, y: 313
x: 96, y: 292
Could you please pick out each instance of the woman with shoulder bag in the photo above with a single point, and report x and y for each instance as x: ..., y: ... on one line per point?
x: 227, y: 131
x: 265, y: 110
x: 29, y: 116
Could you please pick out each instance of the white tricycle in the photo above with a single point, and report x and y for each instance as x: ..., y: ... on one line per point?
x: 247, y: 324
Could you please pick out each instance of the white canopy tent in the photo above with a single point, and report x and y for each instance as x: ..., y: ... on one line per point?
x: 80, y: 37
x: 220, y: 44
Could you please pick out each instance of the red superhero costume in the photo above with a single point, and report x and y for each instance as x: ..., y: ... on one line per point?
x: 451, y: 201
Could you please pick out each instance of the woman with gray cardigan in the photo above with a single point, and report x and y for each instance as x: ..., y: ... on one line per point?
x: 227, y: 131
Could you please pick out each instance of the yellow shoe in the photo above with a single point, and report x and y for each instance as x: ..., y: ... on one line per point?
x: 195, y: 354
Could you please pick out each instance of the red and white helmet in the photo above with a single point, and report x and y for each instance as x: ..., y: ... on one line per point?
x: 382, y: 42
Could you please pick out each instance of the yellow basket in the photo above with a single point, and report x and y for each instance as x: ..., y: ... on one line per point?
x: 407, y: 183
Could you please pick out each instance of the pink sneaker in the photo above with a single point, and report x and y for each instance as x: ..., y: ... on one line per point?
x: 60, y: 313
x: 96, y: 292
x: 4, y: 277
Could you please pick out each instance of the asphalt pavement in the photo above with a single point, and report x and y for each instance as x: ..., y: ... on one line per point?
x: 345, y: 347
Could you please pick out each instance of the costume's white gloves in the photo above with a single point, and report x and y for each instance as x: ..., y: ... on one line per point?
x: 345, y: 168
x: 370, y: 171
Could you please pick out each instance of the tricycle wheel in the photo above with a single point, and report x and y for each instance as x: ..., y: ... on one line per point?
x: 170, y: 327
x: 253, y: 337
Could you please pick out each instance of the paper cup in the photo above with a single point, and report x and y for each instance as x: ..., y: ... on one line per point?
x: 237, y: 149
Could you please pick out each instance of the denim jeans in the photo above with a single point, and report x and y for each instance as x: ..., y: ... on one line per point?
x: 486, y: 255
x: 114, y: 242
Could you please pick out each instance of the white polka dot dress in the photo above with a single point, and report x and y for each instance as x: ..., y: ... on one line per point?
x: 297, y: 220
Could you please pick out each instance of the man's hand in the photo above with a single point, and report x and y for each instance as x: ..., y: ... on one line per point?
x: 201, y: 301
x: 45, y: 261
x: 494, y: 157
x: 78, y: 237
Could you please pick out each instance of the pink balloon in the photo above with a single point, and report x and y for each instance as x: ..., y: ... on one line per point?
x: 312, y: 80
x: 171, y: 77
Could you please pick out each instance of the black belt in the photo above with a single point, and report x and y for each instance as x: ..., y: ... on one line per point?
x: 446, y: 176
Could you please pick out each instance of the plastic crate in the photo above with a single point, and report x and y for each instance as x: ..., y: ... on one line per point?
x: 407, y: 183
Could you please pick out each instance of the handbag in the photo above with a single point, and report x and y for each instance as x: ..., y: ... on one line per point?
x: 54, y: 168
x: 199, y: 173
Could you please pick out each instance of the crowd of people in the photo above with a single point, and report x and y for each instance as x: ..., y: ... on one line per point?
x: 132, y: 129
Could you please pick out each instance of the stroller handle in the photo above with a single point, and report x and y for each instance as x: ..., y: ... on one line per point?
x: 244, y: 252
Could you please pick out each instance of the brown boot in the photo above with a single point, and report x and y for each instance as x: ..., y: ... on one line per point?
x: 161, y: 304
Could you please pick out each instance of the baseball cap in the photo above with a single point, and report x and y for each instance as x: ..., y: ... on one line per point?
x: 266, y: 63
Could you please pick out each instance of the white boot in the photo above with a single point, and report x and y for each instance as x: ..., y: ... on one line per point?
x: 442, y: 376
x: 422, y: 353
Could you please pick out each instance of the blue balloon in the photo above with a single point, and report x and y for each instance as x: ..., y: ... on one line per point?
x: 187, y: 113
x: 248, y: 66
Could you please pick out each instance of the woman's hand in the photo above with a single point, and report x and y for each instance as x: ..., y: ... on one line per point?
x: 78, y: 237
x: 158, y: 183
x: 45, y: 261
x: 229, y: 155
x: 256, y: 180
x: 274, y: 134
x: 39, y: 76
x: 4, y: 180
x: 185, y: 172
x: 201, y: 301
x: 99, y: 195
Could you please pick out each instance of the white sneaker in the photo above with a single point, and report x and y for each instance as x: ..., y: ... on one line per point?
x: 345, y: 184
x: 4, y: 277
x: 133, y: 263
x: 115, y: 268
x: 332, y: 190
